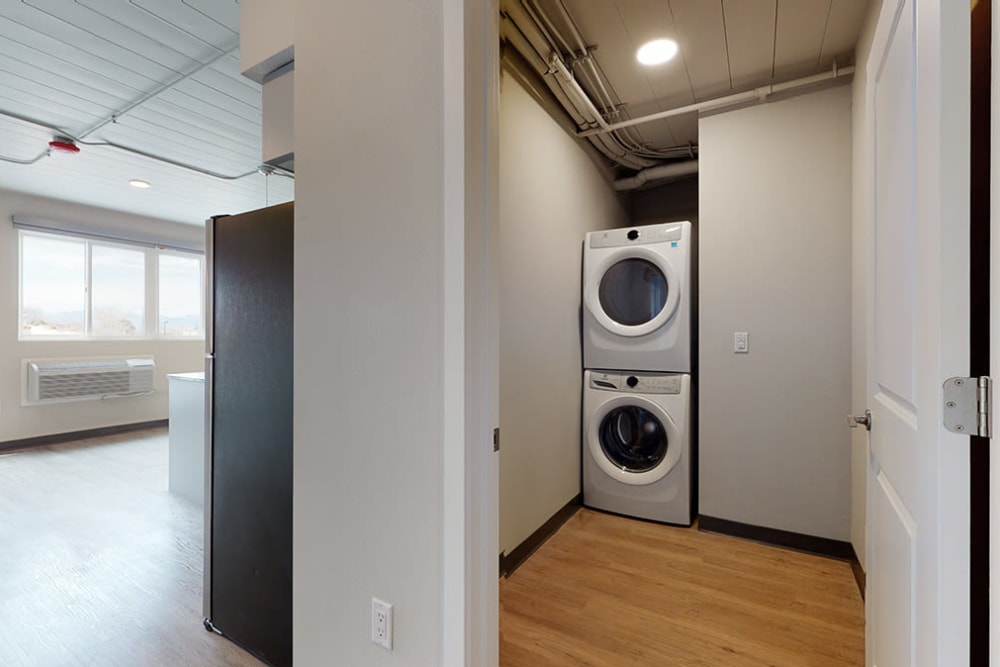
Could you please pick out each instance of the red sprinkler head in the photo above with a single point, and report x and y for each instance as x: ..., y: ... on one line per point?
x: 63, y: 145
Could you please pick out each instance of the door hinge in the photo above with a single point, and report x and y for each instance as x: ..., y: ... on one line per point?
x: 968, y: 406
x: 496, y: 439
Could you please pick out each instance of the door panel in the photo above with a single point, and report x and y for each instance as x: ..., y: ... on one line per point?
x: 917, y: 104
x: 895, y: 232
x: 894, y: 544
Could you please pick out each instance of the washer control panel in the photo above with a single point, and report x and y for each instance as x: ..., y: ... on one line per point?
x: 613, y: 238
x: 636, y: 383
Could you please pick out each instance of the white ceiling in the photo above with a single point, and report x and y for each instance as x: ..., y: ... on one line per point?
x: 158, y: 76
x: 725, y: 46
x: 162, y: 77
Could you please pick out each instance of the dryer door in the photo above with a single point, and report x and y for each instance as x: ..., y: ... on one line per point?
x: 634, y: 440
x: 635, y: 292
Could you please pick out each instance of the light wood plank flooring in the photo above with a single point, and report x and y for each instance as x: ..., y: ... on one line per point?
x: 607, y: 591
x: 99, y: 564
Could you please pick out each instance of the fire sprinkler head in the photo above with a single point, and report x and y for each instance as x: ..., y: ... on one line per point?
x: 64, y: 145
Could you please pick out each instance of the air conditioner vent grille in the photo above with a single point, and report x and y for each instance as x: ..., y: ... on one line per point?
x: 73, y: 380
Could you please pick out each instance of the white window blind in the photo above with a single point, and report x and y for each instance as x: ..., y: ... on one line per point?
x: 164, y: 234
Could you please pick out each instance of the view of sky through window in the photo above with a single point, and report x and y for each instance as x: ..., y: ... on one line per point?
x: 123, y: 298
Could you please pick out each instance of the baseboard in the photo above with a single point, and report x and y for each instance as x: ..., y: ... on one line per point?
x: 819, y: 546
x: 58, y: 438
x: 520, y: 553
x: 859, y: 572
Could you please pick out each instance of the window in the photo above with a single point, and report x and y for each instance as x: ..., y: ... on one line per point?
x: 180, y: 295
x: 82, y: 288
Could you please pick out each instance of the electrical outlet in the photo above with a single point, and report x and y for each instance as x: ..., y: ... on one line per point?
x: 382, y: 624
x: 741, y: 342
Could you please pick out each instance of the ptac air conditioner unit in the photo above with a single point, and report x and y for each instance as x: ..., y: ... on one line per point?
x: 79, y: 380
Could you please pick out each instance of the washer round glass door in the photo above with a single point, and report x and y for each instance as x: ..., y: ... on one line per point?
x: 633, y: 439
x: 632, y: 292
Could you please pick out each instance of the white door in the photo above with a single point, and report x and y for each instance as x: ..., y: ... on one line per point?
x: 918, y: 483
x: 995, y: 347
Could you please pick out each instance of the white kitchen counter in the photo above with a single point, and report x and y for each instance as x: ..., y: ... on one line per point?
x: 187, y: 435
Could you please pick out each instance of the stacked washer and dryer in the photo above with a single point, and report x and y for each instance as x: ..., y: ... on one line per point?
x: 637, y: 415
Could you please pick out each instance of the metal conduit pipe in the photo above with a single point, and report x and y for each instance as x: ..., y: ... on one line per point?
x: 664, y: 171
x: 135, y: 151
x: 523, y: 46
x: 566, y: 96
x: 4, y: 158
x: 566, y: 77
x: 757, y: 94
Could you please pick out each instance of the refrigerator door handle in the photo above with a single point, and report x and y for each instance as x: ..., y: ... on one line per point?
x: 209, y: 422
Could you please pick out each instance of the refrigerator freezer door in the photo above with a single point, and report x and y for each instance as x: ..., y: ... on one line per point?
x: 251, y: 521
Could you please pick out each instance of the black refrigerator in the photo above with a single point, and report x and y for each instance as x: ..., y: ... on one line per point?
x: 248, y: 376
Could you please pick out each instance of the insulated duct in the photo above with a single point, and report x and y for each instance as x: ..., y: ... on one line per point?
x: 663, y: 172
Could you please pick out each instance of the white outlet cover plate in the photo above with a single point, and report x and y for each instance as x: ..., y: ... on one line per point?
x: 382, y: 624
x: 741, y: 342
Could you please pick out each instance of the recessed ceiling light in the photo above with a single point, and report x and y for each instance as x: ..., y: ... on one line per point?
x: 138, y: 183
x: 656, y: 52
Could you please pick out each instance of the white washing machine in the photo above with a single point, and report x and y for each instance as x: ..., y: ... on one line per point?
x: 637, y: 298
x: 637, y: 445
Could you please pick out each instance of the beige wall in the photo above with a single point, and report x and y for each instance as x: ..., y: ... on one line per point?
x: 775, y: 250
x: 551, y: 194
x: 17, y: 421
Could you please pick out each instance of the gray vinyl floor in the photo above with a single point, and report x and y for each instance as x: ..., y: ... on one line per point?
x: 99, y: 564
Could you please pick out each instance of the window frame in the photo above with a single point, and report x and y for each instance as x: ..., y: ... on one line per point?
x: 151, y: 314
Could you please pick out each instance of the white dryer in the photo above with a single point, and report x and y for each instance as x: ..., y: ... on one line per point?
x: 637, y: 298
x: 637, y: 445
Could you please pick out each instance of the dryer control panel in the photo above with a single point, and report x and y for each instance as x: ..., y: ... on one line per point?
x: 613, y: 238
x: 637, y: 383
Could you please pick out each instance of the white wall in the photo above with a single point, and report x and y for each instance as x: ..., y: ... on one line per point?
x: 267, y: 36
x: 373, y: 247
x: 551, y: 194
x: 861, y: 203
x: 18, y: 422
x: 775, y: 239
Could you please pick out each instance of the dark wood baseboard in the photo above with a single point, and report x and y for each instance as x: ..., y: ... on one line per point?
x: 819, y: 546
x: 859, y: 572
x: 519, y: 554
x: 58, y: 438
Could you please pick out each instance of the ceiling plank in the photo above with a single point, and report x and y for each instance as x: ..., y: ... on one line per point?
x: 842, y: 30
x: 799, y: 37
x: 702, y: 39
x: 601, y: 26
x: 646, y: 20
x: 750, y: 40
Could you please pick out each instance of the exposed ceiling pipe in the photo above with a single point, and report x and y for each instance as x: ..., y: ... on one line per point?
x: 557, y: 65
x: 535, y: 35
x: 528, y: 47
x: 159, y: 90
x: 128, y: 149
x: 757, y: 94
x: 662, y: 172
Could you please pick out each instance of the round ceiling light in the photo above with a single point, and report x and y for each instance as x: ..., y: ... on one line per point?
x: 138, y: 183
x: 657, y: 51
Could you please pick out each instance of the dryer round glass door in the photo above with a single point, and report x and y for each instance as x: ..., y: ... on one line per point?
x: 633, y: 438
x: 633, y: 291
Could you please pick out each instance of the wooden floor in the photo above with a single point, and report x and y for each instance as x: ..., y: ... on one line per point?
x: 99, y: 564
x: 607, y: 591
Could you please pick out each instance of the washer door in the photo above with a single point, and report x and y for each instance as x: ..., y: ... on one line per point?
x: 633, y: 440
x: 635, y: 292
